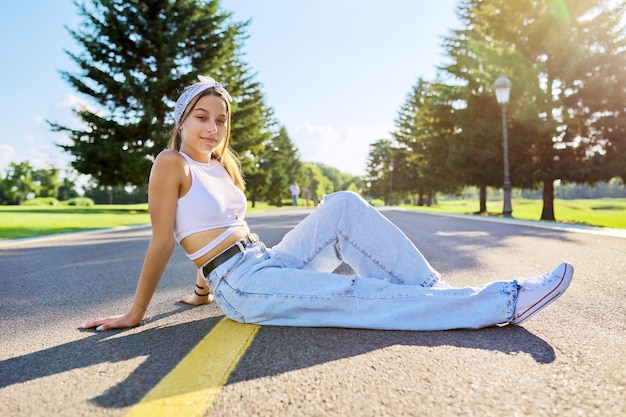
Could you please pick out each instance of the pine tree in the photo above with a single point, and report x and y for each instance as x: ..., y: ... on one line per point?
x: 379, y: 161
x: 475, y: 151
x: 138, y: 57
x: 423, y: 126
x: 281, y: 165
x: 566, y: 62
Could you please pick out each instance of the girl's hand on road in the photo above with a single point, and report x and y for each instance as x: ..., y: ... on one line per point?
x: 114, y: 322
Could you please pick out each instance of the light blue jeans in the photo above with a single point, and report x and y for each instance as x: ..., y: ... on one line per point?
x: 395, y: 288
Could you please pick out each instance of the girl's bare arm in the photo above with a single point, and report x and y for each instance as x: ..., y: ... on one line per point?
x: 165, y: 182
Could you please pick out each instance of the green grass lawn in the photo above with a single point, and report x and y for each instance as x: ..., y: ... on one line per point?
x: 604, y: 212
x: 30, y: 221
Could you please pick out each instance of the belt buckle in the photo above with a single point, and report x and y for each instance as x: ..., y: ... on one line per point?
x: 247, y: 241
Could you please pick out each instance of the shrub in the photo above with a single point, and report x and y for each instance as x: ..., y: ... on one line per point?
x: 377, y: 202
x: 42, y: 201
x: 80, y: 202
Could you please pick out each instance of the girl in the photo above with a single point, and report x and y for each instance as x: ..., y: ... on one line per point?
x: 196, y: 197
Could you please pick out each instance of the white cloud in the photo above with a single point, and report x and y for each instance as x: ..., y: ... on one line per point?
x: 42, y: 156
x: 6, y: 156
x: 71, y: 101
x: 37, y: 155
x: 343, y: 147
x: 63, y: 115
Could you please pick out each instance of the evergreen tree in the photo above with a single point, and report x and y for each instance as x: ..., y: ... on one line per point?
x: 423, y: 126
x: 475, y: 151
x: 281, y: 165
x: 253, y: 126
x: 566, y: 62
x: 379, y: 161
x: 409, y: 135
x: 138, y: 56
x: 67, y: 188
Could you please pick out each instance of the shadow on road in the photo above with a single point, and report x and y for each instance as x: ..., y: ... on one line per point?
x: 164, y: 348
x: 275, y: 350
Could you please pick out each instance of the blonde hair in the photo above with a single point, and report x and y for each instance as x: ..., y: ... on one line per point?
x: 225, y: 154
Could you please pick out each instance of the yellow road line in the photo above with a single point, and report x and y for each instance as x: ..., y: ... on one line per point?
x: 190, y: 388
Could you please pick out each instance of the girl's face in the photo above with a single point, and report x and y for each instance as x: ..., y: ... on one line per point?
x: 205, y: 128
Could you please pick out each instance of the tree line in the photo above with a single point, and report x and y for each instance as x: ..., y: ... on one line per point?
x: 566, y: 115
x: 21, y: 182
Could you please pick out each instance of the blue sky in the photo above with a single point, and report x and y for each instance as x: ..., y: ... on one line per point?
x: 335, y: 71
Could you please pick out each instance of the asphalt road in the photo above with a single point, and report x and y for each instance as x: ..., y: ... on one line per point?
x: 568, y: 361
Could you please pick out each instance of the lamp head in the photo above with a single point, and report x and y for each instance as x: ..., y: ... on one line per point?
x: 503, y: 88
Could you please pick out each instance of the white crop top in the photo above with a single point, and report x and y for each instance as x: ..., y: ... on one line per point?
x: 212, y: 202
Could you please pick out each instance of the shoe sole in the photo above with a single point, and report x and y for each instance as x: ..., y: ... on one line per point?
x: 543, y: 302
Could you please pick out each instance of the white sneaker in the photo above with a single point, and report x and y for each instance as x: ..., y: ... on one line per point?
x: 535, y: 293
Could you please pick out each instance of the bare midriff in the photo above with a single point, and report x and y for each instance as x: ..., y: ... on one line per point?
x: 198, y: 240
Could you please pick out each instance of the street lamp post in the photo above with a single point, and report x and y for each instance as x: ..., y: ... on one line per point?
x: 503, y: 88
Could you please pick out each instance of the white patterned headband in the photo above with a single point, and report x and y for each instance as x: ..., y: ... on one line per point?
x: 193, y: 90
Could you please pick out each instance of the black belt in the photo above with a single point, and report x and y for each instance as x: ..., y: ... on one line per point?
x: 237, y: 247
